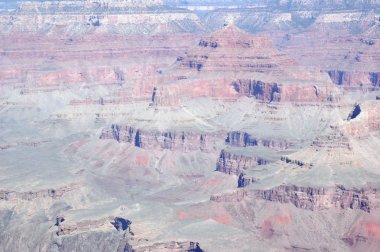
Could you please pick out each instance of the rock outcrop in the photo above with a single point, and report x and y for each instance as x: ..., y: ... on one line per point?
x: 355, y: 79
x: 321, y: 198
x: 69, y: 228
x: 243, y: 139
x: 355, y: 112
x: 332, y: 141
x: 243, y: 55
x: 235, y: 196
x: 231, y: 163
x: 299, y: 163
x: 59, y: 220
x: 171, y: 246
x: 309, y: 198
x: 102, y: 16
x: 94, y: 240
x: 366, y: 120
x: 337, y: 76
x: 375, y: 79
x: 363, y: 234
x: 276, y: 92
x: 30, y: 196
x: 184, y: 141
x: 244, y: 181
x: 269, y: 92
x: 121, y: 224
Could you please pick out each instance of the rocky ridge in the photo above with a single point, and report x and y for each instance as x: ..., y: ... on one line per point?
x: 182, y: 141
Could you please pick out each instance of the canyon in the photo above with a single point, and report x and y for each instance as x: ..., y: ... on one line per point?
x: 169, y: 125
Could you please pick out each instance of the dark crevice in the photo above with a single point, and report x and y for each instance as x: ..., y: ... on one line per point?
x: 355, y: 112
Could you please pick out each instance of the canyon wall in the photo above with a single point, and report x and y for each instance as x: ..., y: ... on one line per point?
x: 180, y: 141
x: 243, y: 139
x: 231, y: 163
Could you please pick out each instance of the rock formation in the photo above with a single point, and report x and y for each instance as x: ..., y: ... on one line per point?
x: 157, y: 125
x: 232, y: 163
x: 321, y: 198
x: 171, y: 246
x: 243, y: 139
x: 183, y: 141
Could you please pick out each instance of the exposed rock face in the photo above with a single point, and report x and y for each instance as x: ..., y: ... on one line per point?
x: 171, y: 246
x: 375, y: 79
x: 269, y: 92
x: 94, y: 240
x: 244, y: 55
x: 91, y: 228
x: 59, y: 220
x: 103, y: 16
x: 232, y: 163
x: 321, y: 198
x: 225, y: 44
x: 92, y: 50
x: 275, y: 92
x: 243, y: 139
x: 366, y: 122
x: 332, y: 141
x: 236, y: 196
x: 86, y: 234
x: 244, y: 181
x: 355, y: 237
x: 121, y: 224
x: 355, y: 112
x: 296, y: 162
x: 184, y: 141
x: 154, y: 97
x: 30, y: 196
x: 337, y: 76
x: 354, y: 79
x: 82, y: 226
x: 71, y: 68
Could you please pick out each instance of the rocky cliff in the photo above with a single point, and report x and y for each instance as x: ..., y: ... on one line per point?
x: 355, y: 79
x: 235, y: 196
x: 171, y: 246
x: 321, y: 198
x: 84, y: 17
x: 244, y: 55
x: 237, y: 124
x: 309, y: 198
x: 334, y: 140
x: 33, y: 195
x: 269, y: 92
x: 182, y: 141
x: 243, y: 139
x: 363, y: 119
x: 232, y: 163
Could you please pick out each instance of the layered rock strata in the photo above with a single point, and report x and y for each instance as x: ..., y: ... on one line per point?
x: 232, y: 163
x: 33, y: 195
x: 322, y: 198
x: 351, y: 79
x: 171, y: 246
x: 183, y: 141
x: 363, y: 120
x: 244, y: 139
x: 310, y: 198
x: 120, y: 224
x: 236, y: 196
x: 276, y: 92
x: 243, y: 55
